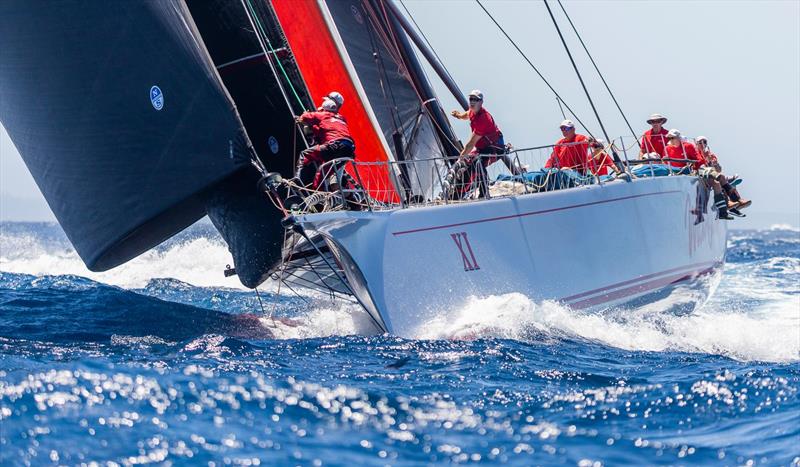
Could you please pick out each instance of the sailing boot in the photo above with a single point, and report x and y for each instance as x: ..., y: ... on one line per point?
x: 736, y: 212
x: 722, y: 207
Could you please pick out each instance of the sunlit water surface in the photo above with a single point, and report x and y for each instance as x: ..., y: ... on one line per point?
x: 165, y: 360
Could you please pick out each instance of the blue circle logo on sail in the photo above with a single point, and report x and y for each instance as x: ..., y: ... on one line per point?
x: 156, y: 98
x: 273, y: 144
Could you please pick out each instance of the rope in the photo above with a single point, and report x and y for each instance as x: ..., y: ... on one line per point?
x: 533, y: 66
x: 269, y: 59
x: 608, y: 88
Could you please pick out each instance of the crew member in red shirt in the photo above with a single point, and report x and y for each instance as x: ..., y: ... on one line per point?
x: 736, y: 201
x: 601, y: 163
x: 655, y: 139
x: 679, y: 149
x: 571, y: 151
x: 486, y: 138
x: 331, y: 135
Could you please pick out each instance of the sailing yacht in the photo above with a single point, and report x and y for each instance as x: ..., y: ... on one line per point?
x: 134, y: 133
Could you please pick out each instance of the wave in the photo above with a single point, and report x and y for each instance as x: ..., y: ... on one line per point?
x: 198, y: 260
x: 785, y: 227
x: 766, y: 334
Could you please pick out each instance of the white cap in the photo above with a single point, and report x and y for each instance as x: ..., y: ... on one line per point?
x: 702, y: 138
x: 567, y: 123
x: 476, y: 93
x: 329, y: 105
x: 336, y: 97
x: 674, y: 133
x: 599, y: 141
x: 657, y: 117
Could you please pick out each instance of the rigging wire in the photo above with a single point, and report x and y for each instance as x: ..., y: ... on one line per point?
x: 253, y: 17
x: 392, y: 44
x: 597, y: 69
x: 580, y: 78
x: 533, y: 66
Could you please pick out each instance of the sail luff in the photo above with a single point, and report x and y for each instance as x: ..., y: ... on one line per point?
x: 325, y: 66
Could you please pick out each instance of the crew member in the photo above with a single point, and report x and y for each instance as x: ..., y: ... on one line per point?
x: 486, y: 138
x: 654, y: 140
x: 601, y: 162
x: 736, y: 202
x: 331, y: 135
x: 571, y: 151
x: 678, y: 149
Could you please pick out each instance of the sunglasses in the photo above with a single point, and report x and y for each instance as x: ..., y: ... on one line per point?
x: 474, y: 99
x: 567, y: 128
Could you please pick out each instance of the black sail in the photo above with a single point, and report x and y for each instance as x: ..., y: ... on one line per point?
x: 410, y: 116
x: 247, y: 221
x: 120, y: 117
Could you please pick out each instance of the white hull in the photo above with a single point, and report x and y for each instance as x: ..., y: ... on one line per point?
x: 588, y: 247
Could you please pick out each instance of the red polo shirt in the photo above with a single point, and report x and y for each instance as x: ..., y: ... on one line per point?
x: 603, y: 165
x: 687, y: 150
x: 570, y: 156
x: 483, y: 125
x: 655, y: 142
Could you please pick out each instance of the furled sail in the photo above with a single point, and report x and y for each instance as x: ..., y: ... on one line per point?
x: 120, y: 117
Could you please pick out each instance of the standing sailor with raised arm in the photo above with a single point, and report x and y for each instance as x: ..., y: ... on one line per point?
x: 486, y: 137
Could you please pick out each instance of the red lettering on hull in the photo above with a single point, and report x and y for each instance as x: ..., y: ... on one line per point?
x: 464, y: 247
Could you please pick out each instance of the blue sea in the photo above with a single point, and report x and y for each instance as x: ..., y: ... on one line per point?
x: 165, y: 361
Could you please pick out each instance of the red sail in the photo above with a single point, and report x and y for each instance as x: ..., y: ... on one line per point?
x: 324, y: 69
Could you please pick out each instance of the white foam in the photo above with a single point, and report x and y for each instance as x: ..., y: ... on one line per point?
x: 770, y: 333
x: 788, y: 227
x: 199, y: 262
x: 322, y: 320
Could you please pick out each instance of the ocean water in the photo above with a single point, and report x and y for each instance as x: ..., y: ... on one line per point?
x: 164, y: 360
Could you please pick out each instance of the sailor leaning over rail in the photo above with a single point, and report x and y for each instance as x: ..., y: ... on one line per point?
x: 332, y: 138
x: 713, y: 172
x: 486, y: 140
x: 679, y: 149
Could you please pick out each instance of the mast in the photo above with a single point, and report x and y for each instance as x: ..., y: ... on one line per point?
x: 617, y: 160
x: 426, y: 51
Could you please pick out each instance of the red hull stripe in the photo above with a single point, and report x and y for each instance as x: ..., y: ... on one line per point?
x: 640, y: 288
x: 323, y: 71
x: 532, y: 213
x: 639, y: 280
